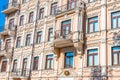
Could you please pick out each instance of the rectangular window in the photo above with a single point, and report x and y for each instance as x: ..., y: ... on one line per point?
x: 50, y: 34
x: 24, y: 68
x: 31, y: 15
x: 49, y: 61
x: 41, y: 13
x: 69, y: 59
x: 4, y: 66
x: 92, y: 57
x: 14, y: 66
x: 66, y: 26
x: 8, y: 44
x: 93, y: 25
x: 71, y: 4
x: 21, y: 20
x: 116, y: 19
x: 116, y: 55
x: 18, y: 42
x: 39, y: 37
x: 28, y: 37
x: 53, y: 8
x: 11, y: 23
x: 35, y: 66
x: 14, y: 3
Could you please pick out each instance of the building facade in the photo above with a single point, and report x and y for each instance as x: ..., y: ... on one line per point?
x: 61, y: 40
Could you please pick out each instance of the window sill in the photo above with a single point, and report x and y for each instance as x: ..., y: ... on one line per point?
x: 111, y: 29
x: 93, y: 32
x: 68, y: 68
x: 114, y: 66
x: 93, y: 1
x: 92, y: 66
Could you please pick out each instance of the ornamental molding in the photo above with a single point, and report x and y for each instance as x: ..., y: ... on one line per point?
x: 98, y: 2
x: 64, y: 50
x: 113, y: 3
x: 97, y: 13
x: 114, y: 8
x: 114, y: 69
x: 95, y: 41
x: 48, y: 72
x: 92, y: 35
x: 70, y: 72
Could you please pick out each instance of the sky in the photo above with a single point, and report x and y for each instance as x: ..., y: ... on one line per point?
x: 3, y: 4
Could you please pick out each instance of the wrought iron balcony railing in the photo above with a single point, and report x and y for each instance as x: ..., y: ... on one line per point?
x: 12, y: 4
x: 66, y: 7
x: 20, y: 72
x: 63, y: 34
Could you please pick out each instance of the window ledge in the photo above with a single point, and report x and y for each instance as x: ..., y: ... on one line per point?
x: 69, y: 68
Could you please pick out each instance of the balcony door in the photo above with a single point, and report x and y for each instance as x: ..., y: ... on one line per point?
x: 11, y: 23
x: 8, y: 44
x: 66, y: 28
x: 24, y: 69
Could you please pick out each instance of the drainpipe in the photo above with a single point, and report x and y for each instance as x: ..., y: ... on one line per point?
x: 33, y: 41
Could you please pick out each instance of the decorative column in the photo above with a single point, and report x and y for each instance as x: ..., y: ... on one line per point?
x: 78, y: 40
x: 103, y: 40
x: 8, y: 69
x: 55, y: 65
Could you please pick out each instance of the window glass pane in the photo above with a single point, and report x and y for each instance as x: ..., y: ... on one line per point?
x: 96, y: 28
x: 50, y: 37
x: 90, y: 61
x: 67, y: 63
x: 95, y: 59
x: 71, y: 62
x: 119, y: 58
x: 114, y: 21
x: 115, y: 59
x: 91, y: 28
x: 118, y: 21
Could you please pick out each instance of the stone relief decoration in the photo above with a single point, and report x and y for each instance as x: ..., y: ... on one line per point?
x: 92, y: 35
x: 90, y: 6
x: 114, y: 7
x: 68, y: 49
x: 26, y: 54
x: 92, y: 43
x: 48, y: 50
x: 116, y: 38
x: 113, y: 3
x: 47, y: 72
x: 94, y: 72
x: 111, y: 71
x: 67, y: 73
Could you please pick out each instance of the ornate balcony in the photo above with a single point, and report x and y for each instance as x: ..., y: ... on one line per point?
x: 63, y: 40
x: 11, y: 7
x: 8, y: 30
x: 6, y: 52
x: 69, y: 7
x: 20, y: 73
